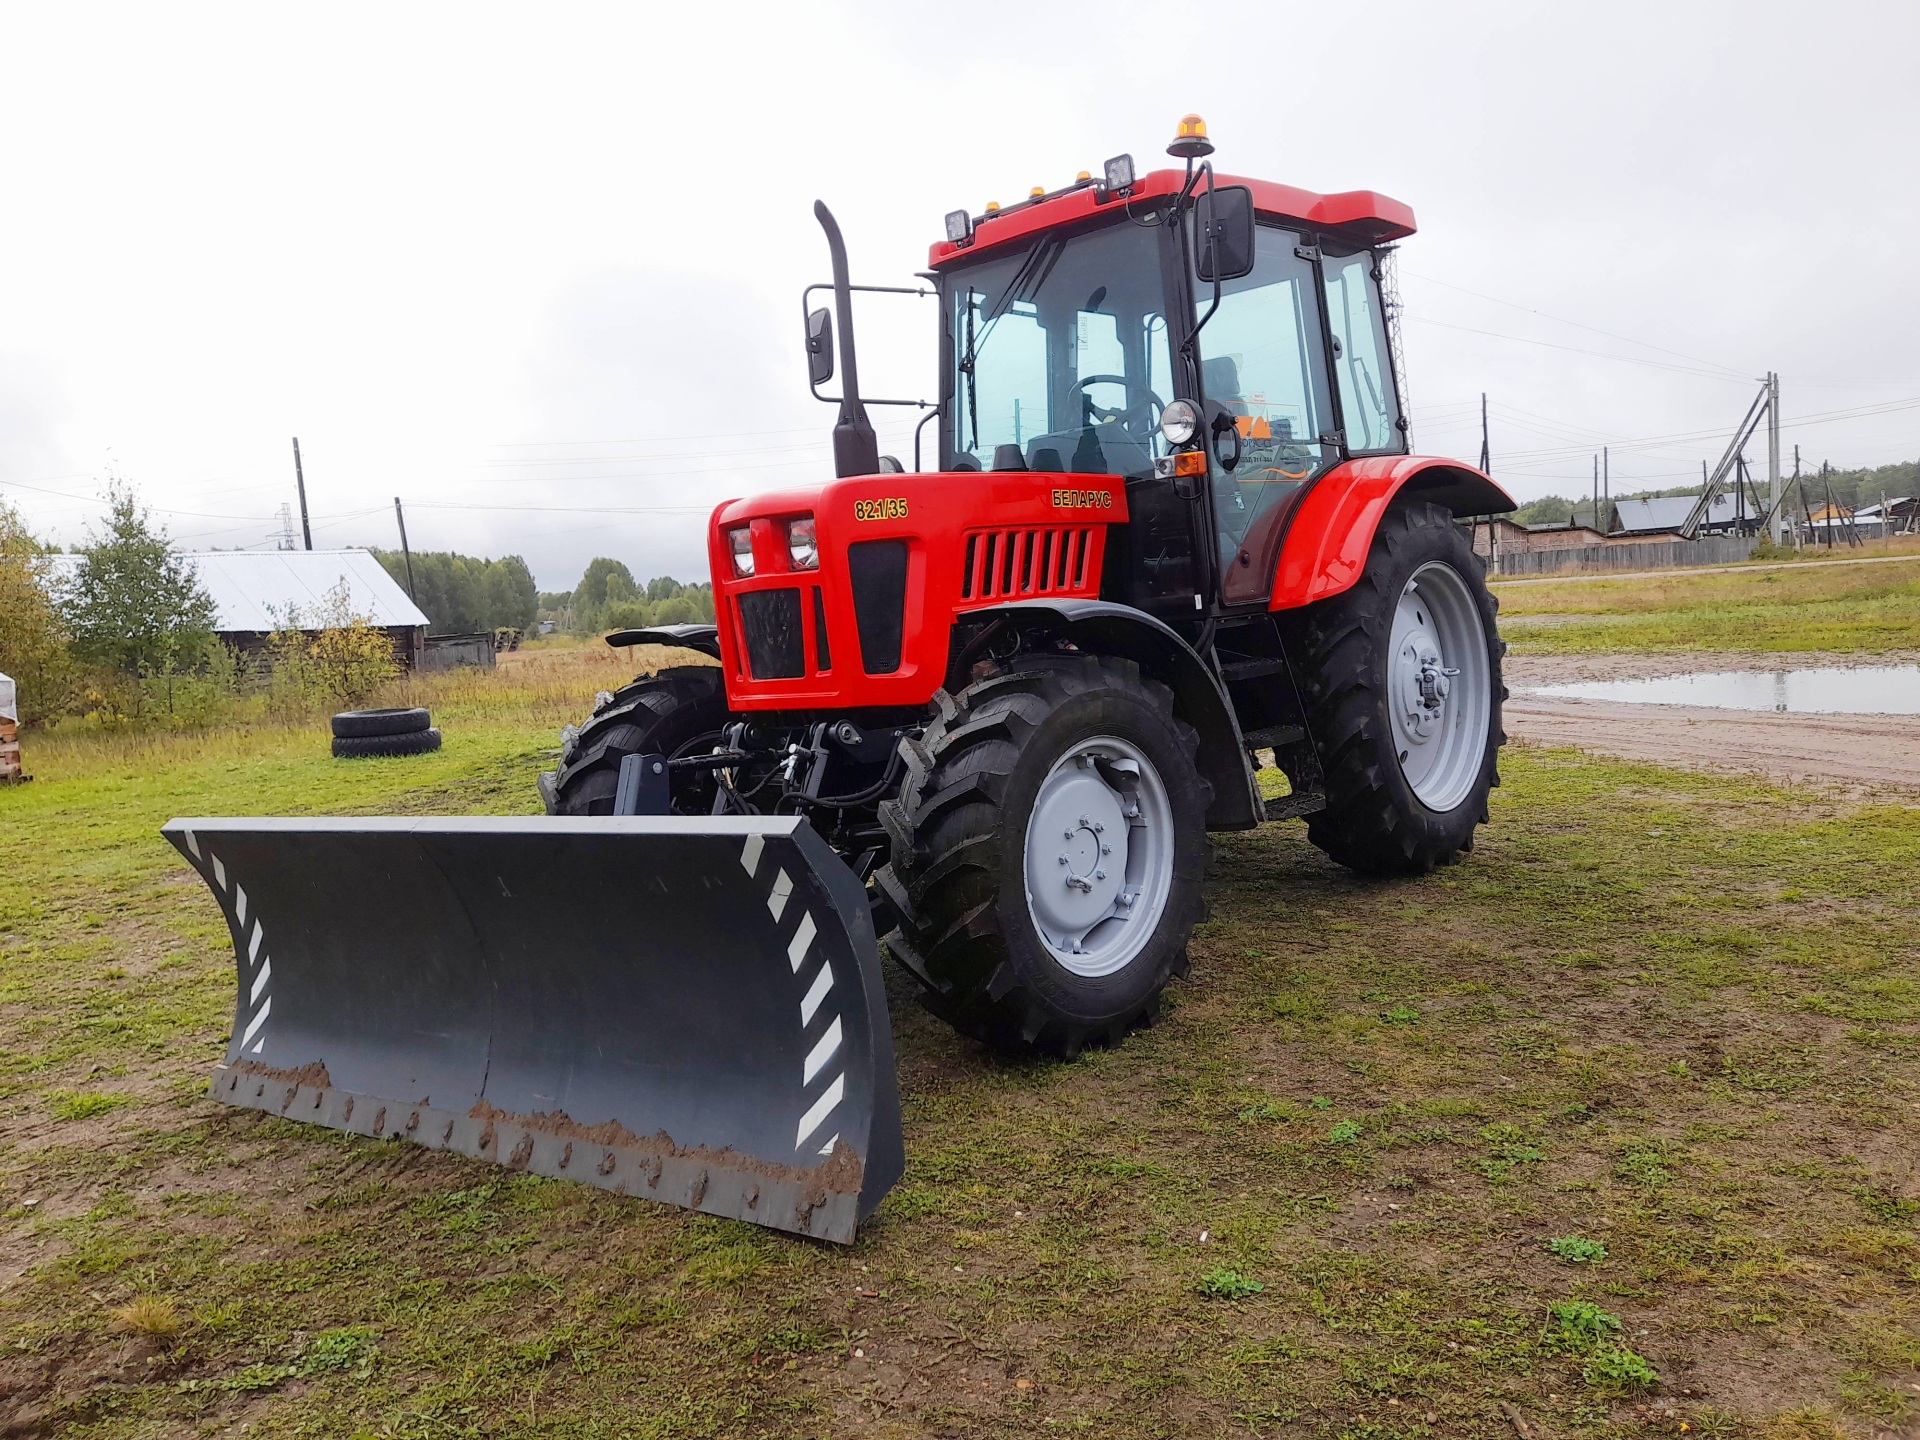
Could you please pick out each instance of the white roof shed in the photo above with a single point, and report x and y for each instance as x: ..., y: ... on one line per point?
x: 250, y: 588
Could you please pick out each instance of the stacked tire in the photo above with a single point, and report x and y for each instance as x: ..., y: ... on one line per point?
x: 364, y: 734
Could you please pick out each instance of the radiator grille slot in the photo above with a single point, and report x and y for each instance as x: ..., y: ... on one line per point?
x: 1025, y: 562
x: 770, y: 620
x: 877, y: 575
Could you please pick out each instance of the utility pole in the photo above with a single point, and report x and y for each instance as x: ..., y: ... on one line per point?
x: 401, y: 516
x: 1596, y: 492
x: 1486, y: 468
x: 1796, y: 490
x: 1773, y: 457
x: 1606, y: 481
x: 300, y: 479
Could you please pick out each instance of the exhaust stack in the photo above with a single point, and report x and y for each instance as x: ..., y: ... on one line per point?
x: 856, y: 450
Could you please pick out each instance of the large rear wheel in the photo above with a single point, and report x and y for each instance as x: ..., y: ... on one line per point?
x: 1401, y: 677
x: 1049, y: 854
x: 674, y: 712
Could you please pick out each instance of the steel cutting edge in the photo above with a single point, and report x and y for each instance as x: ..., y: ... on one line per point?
x: 687, y: 1010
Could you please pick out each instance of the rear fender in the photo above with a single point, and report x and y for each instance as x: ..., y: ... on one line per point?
x: 1110, y: 629
x: 1327, y: 543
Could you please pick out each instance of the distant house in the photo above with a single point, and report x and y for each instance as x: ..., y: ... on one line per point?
x: 1508, y: 538
x: 1900, y: 516
x: 1663, y: 515
x: 256, y: 592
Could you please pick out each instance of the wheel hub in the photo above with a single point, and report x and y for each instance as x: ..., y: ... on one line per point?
x: 1099, y: 856
x: 1439, y: 685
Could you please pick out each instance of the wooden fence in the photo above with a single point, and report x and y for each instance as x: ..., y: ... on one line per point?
x: 1654, y: 555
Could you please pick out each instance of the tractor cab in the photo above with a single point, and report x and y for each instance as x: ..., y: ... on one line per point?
x: 1217, y: 343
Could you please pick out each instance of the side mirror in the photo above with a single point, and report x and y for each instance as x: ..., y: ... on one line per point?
x: 1223, y: 224
x: 820, y: 347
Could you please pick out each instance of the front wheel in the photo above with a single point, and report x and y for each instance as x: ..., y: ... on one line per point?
x: 678, y: 711
x: 1401, y: 677
x: 1051, y: 850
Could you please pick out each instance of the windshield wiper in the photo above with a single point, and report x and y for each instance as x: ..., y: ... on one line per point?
x: 1024, y: 285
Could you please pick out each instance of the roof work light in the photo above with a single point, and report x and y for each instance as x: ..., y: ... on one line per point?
x: 1119, y: 173
x: 959, y: 227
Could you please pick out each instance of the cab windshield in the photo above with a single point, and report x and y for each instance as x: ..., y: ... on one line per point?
x: 1060, y: 349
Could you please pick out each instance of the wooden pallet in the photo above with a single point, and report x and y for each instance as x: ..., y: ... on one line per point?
x: 10, y: 773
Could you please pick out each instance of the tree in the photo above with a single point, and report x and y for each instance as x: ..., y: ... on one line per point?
x: 33, y: 641
x: 591, y: 592
x: 462, y: 595
x: 136, y: 606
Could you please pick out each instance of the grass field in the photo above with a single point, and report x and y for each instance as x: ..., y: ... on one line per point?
x: 1811, y: 606
x: 1608, y: 1130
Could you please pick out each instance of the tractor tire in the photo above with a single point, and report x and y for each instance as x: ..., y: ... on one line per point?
x: 655, y: 715
x: 365, y: 747
x: 360, y: 724
x: 1023, y: 927
x: 1400, y: 675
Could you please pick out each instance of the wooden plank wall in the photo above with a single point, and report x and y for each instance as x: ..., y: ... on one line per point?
x: 10, y: 773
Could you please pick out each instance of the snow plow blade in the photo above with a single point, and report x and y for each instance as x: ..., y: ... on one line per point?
x: 685, y: 1010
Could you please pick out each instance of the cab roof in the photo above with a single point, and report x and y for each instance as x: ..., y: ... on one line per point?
x: 1367, y: 216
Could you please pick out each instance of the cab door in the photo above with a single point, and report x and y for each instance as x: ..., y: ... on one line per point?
x: 1263, y: 374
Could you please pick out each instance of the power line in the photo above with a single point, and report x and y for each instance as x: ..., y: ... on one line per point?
x: 1581, y: 350
x: 1579, y: 325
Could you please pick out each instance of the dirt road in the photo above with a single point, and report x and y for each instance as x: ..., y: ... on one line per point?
x: 1852, y: 752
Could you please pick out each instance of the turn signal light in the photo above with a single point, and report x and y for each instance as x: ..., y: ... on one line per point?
x: 1190, y: 462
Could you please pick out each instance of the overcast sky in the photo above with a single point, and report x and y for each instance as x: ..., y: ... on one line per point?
x: 537, y: 269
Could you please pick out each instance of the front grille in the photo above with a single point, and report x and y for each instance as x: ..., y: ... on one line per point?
x: 1025, y: 562
x: 877, y: 572
x: 770, y: 621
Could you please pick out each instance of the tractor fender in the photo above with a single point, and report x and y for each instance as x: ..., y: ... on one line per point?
x: 704, y: 638
x: 1333, y: 526
x: 1109, y: 629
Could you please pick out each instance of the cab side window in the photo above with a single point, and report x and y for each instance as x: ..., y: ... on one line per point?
x: 1367, y: 402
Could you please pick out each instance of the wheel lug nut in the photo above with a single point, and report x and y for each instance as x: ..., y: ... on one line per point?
x: 1099, y: 874
x: 1099, y: 827
x: 1106, y: 849
x: 1066, y: 834
x: 1063, y: 859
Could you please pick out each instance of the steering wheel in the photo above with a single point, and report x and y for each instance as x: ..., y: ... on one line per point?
x: 1153, y: 404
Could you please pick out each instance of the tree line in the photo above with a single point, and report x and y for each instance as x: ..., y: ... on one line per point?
x: 464, y: 596
x: 608, y: 597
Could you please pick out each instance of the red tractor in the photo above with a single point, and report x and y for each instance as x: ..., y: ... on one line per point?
x: 1174, y: 528
x: 990, y: 709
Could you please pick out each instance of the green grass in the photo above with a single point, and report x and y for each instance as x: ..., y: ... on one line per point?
x: 1863, y: 608
x: 1625, y: 1036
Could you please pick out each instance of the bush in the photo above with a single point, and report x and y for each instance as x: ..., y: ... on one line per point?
x: 334, y: 659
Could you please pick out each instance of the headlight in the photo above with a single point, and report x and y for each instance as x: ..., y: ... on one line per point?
x: 740, y: 542
x: 1179, y: 422
x: 801, y: 546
